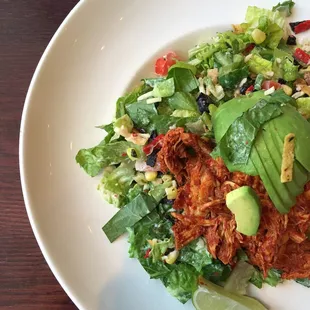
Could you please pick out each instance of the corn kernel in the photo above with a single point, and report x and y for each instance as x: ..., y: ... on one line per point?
x: 166, y: 178
x: 150, y: 175
x: 258, y: 36
x: 171, y: 192
x: 288, y: 90
x: 172, y: 257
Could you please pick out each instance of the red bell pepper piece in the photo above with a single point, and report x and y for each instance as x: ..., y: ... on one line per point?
x: 147, y: 253
x: 303, y: 26
x: 249, y: 48
x: 302, y: 56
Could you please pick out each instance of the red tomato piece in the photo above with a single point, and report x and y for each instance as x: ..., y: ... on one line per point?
x: 268, y: 84
x: 249, y: 90
x: 147, y: 253
x: 163, y: 64
x: 249, y: 49
x: 303, y: 26
x: 302, y: 56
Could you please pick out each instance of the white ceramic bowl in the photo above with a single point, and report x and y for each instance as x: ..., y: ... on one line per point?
x: 96, y: 54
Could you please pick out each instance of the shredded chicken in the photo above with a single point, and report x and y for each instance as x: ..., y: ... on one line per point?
x: 281, y: 241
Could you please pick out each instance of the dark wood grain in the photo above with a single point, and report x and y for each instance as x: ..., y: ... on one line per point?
x: 26, y: 282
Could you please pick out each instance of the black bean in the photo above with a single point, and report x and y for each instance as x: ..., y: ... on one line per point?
x: 141, y: 130
x: 282, y: 81
x: 151, y: 159
x: 293, y: 25
x: 153, y: 135
x: 203, y: 102
x: 291, y: 40
x: 133, y: 153
x: 245, y: 86
x: 167, y: 201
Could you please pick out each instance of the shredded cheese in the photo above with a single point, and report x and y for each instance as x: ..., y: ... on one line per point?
x: 288, y: 158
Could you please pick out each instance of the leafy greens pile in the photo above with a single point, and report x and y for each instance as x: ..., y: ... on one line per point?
x: 219, y: 93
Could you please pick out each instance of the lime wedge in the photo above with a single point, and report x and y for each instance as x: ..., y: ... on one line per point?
x: 211, y: 296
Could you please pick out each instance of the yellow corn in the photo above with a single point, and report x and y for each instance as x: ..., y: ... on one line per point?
x: 150, y: 175
x: 172, y: 257
x: 171, y: 192
x: 288, y: 90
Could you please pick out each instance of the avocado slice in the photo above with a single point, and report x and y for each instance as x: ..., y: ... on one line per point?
x: 245, y: 205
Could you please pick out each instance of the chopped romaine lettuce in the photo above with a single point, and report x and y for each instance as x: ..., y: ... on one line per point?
x: 159, y: 248
x: 285, y: 8
x: 196, y: 254
x: 140, y: 113
x: 164, y: 89
x: 184, y: 113
x: 182, y: 282
x: 130, y: 98
x: 123, y: 126
x: 93, y: 160
x: 184, y: 65
x: 259, y: 65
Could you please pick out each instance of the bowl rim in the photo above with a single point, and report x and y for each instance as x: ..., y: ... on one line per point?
x: 22, y: 137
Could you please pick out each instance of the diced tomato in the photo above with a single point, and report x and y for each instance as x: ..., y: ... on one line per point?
x: 302, y: 56
x: 157, y: 143
x: 250, y: 89
x: 124, y: 154
x: 248, y: 49
x: 303, y: 26
x: 147, y: 253
x: 163, y: 64
x: 268, y: 84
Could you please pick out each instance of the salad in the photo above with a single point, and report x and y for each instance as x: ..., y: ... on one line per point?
x: 209, y: 164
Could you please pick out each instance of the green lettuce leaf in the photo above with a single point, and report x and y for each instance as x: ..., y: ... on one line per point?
x: 182, y: 101
x: 254, y: 13
x: 129, y: 215
x: 259, y: 65
x: 159, y: 248
x: 230, y: 78
x: 165, y: 88
x: 184, y: 79
x: 158, y: 191
x: 285, y: 8
x: 216, y: 272
x: 290, y: 71
x: 303, y: 106
x: 140, y: 113
x: 182, y: 282
x: 130, y: 98
x: 273, y: 278
x: 184, y: 65
x: 305, y: 282
x: 94, y: 159
x: 196, y: 254
x: 118, y: 180
x: 152, y: 81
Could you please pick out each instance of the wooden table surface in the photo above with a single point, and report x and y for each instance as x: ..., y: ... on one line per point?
x: 26, y: 27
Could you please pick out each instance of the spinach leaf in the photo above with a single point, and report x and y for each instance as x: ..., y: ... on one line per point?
x: 129, y: 215
x: 130, y: 98
x: 94, y: 159
x: 140, y: 113
x: 196, y: 254
x: 182, y: 101
x: 305, y: 282
x: 182, y: 282
x: 184, y: 79
x: 237, y: 143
